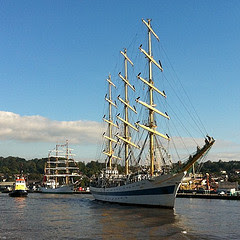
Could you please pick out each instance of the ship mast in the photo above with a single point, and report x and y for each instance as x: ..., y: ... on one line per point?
x: 67, y: 163
x: 47, y: 166
x: 126, y: 138
x: 151, y: 127
x: 151, y: 112
x: 126, y: 130
x: 56, y: 172
x: 61, y: 167
x: 110, y: 122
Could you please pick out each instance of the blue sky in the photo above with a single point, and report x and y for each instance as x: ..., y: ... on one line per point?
x: 55, y: 56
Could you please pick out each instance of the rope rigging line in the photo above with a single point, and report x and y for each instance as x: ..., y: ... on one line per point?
x: 197, y: 116
x: 181, y: 123
x: 185, y: 107
x: 139, y: 156
x: 197, y: 120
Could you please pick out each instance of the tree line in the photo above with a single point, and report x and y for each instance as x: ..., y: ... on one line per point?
x: 34, y: 169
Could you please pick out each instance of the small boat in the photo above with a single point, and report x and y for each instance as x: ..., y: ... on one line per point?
x: 60, y: 171
x: 151, y: 179
x: 51, y: 186
x: 20, y: 188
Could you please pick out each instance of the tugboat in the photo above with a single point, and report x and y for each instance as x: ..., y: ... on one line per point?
x: 20, y: 188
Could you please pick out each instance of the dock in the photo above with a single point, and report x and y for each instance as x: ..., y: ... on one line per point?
x: 208, y: 196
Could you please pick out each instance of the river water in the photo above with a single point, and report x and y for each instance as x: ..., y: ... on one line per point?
x: 43, y: 216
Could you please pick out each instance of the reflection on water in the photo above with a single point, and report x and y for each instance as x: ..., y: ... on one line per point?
x: 124, y: 222
x: 41, y: 216
x: 20, y: 202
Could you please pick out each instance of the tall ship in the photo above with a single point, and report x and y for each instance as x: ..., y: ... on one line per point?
x: 149, y: 177
x: 61, y: 172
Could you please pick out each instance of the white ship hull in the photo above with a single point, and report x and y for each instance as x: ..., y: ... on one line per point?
x: 159, y: 192
x: 60, y: 189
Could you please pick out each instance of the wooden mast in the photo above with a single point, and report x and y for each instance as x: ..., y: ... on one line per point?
x: 127, y: 125
x: 47, y: 170
x: 67, y: 163
x: 110, y: 125
x: 126, y: 128
x: 109, y: 136
x: 151, y: 112
x: 151, y: 127
x: 56, y: 178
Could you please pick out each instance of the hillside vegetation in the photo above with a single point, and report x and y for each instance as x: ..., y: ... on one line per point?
x: 34, y: 169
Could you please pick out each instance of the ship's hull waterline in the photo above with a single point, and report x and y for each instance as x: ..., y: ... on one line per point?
x: 61, y: 189
x: 18, y: 193
x: 158, y: 192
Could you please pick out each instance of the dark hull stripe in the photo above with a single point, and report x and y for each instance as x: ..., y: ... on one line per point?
x: 151, y: 191
x: 18, y: 193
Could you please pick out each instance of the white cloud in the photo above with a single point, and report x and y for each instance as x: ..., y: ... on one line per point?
x: 225, y: 150
x: 86, y: 135
x: 222, y: 149
x: 40, y: 129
